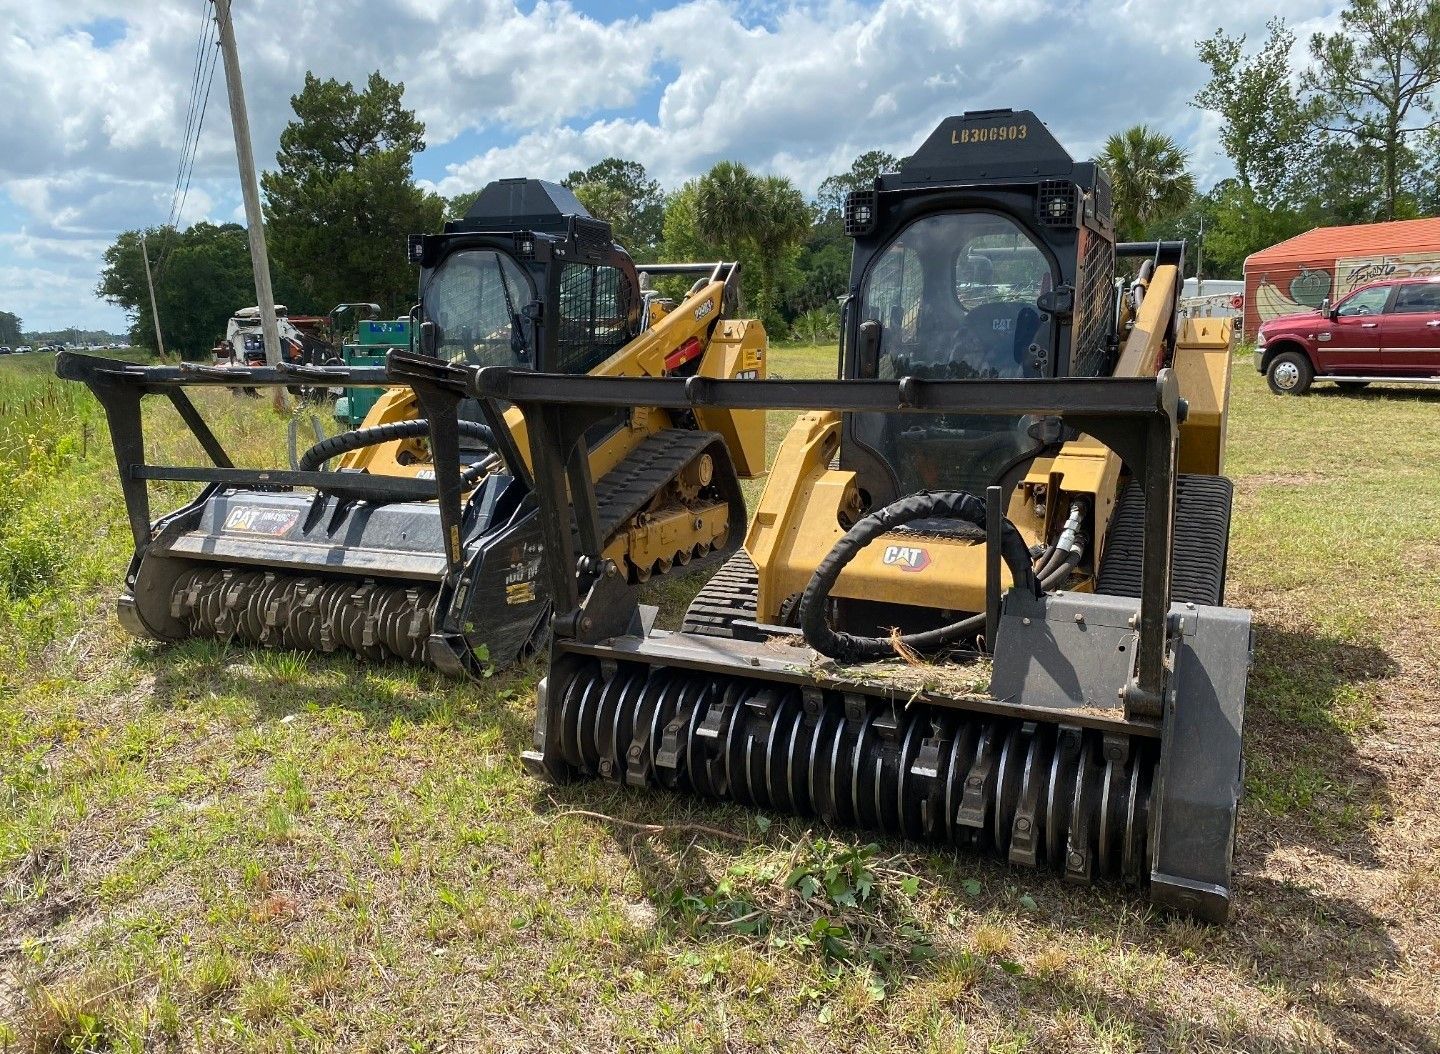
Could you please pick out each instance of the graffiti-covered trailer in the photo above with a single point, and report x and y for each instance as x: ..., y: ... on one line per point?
x: 1330, y: 261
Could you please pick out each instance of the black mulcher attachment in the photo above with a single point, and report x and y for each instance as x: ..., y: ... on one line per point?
x: 329, y: 560
x: 1105, y: 745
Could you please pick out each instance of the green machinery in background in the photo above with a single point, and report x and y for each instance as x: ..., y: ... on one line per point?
x: 373, y: 339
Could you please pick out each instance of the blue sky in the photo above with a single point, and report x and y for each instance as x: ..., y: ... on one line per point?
x: 94, y: 95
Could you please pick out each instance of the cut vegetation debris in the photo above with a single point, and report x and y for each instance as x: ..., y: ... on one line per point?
x: 916, y: 678
x: 206, y: 848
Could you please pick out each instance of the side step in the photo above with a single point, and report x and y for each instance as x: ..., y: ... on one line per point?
x: 1202, y: 541
x: 1367, y: 379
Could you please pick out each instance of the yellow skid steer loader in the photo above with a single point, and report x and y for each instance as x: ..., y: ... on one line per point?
x: 982, y: 599
x: 360, y: 558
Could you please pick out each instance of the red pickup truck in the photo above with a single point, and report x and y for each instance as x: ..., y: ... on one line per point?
x: 1383, y: 332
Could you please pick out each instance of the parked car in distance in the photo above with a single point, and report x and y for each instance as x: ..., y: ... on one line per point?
x: 1384, y: 331
x: 22, y: 349
x: 4, y: 350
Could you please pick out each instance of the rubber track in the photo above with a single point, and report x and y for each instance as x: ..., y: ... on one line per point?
x: 623, y: 491
x: 1202, y: 536
x: 731, y: 595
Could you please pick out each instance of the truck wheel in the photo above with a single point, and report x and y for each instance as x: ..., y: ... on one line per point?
x: 1290, y: 373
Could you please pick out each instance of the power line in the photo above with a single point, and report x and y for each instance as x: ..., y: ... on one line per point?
x: 199, y: 128
x: 191, y: 105
x: 202, y: 77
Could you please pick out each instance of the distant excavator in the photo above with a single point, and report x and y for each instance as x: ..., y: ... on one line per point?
x: 358, y: 558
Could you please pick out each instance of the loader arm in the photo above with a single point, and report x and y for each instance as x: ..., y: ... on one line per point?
x: 694, y: 338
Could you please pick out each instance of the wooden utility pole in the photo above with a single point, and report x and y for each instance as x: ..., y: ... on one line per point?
x: 254, y: 220
x: 1200, y: 262
x: 150, y: 284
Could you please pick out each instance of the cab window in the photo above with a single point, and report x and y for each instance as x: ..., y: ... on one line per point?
x: 954, y: 295
x: 474, y: 299
x: 1365, y: 302
x: 595, y: 307
x: 1421, y: 298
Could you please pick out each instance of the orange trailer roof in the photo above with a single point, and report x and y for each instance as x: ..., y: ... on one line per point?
x: 1324, y: 243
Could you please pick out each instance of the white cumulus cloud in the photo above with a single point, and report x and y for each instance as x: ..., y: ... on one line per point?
x: 94, y: 96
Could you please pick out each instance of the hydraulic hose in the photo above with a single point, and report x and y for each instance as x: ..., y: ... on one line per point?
x: 359, y: 438
x: 472, y: 474
x: 848, y: 647
x: 1056, y: 564
x: 1071, y: 541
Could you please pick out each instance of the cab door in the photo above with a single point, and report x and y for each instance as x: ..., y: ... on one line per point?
x: 1410, y: 330
x: 1350, y: 344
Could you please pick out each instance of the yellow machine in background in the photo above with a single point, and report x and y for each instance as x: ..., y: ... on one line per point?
x: 351, y: 559
x: 690, y: 338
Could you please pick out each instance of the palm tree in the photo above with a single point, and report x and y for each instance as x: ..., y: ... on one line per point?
x: 724, y: 199
x: 1149, y: 177
x: 736, y: 210
x: 782, y: 218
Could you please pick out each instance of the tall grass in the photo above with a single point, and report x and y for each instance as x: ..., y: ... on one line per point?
x: 54, y: 521
x: 64, y: 537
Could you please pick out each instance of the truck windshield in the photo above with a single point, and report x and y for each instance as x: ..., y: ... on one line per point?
x: 955, y: 295
x: 474, y: 299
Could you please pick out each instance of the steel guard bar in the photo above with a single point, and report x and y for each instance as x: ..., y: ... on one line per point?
x: 120, y: 387
x: 1137, y: 418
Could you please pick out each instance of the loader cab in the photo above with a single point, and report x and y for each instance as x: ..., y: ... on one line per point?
x: 989, y: 256
x: 529, y: 279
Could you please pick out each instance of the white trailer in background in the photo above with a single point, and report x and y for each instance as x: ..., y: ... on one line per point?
x: 1212, y: 298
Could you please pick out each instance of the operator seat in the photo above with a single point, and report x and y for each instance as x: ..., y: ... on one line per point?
x: 994, y: 338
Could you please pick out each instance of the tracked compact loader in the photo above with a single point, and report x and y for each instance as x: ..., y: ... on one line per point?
x: 982, y: 599
x: 362, y: 557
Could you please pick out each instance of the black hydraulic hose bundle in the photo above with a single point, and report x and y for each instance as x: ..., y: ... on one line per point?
x: 952, y: 505
x: 1056, y: 564
x: 374, y: 435
x: 1066, y: 552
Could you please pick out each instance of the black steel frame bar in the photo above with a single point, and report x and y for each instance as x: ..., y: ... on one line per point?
x: 1136, y: 418
x: 1124, y: 397
x: 71, y: 366
x: 439, y: 386
x: 120, y: 387
x: 398, y: 488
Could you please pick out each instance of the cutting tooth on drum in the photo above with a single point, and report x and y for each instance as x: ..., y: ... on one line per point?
x: 274, y: 609
x: 1059, y: 798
